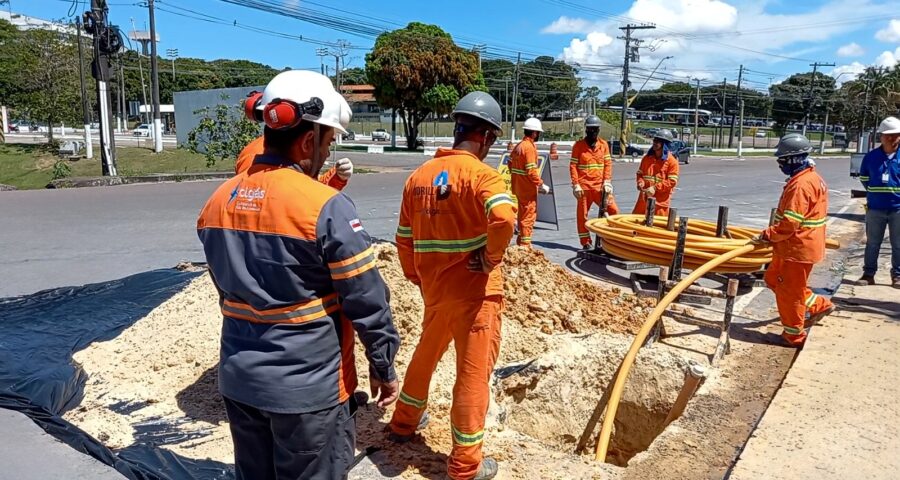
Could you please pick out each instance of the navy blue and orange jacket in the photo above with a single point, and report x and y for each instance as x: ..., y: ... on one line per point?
x: 297, y: 276
x: 798, y: 233
x: 453, y: 205
x: 525, y: 179
x: 257, y: 147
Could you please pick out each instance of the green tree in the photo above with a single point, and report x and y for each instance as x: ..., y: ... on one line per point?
x: 222, y: 133
x: 353, y: 76
x: 546, y: 85
x: 791, y: 98
x: 414, y: 69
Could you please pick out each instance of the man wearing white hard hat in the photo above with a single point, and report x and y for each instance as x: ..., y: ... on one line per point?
x: 296, y: 275
x: 525, y: 179
x: 880, y: 175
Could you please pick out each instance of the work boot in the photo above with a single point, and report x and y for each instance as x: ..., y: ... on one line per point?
x: 895, y: 282
x: 487, y: 470
x: 778, y: 340
x: 397, y: 438
x: 866, y: 280
x: 587, y: 247
x: 814, y: 319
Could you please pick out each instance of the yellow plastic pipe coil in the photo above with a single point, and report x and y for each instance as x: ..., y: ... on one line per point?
x: 626, y: 237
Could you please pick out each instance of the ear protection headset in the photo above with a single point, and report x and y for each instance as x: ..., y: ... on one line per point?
x: 281, y: 114
x: 252, y: 101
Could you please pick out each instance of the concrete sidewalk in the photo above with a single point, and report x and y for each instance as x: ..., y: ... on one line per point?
x: 837, y: 415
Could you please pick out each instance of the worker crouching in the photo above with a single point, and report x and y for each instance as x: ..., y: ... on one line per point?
x: 525, y: 179
x: 296, y: 275
x: 798, y: 241
x: 657, y: 175
x: 456, y: 221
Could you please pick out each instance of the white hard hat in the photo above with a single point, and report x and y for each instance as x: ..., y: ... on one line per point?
x: 300, y: 86
x: 889, y: 125
x: 534, y: 125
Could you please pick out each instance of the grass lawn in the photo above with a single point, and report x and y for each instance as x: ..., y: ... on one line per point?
x: 27, y: 166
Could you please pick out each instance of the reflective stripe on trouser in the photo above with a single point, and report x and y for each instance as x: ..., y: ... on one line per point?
x: 794, y: 299
x: 474, y: 328
x: 590, y: 198
x: 640, y: 207
x: 527, y: 215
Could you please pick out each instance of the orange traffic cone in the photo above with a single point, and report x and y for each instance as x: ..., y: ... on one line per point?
x: 554, y: 152
x: 509, y: 147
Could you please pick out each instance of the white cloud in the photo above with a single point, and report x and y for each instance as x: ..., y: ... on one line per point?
x: 849, y: 72
x: 565, y: 24
x: 850, y: 50
x: 890, y: 33
x: 888, y: 58
x: 709, y: 38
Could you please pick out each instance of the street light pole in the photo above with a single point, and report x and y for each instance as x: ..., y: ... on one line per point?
x: 697, y: 117
x: 154, y: 83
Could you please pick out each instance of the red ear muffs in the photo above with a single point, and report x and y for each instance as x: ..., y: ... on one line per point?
x: 250, y: 103
x: 281, y: 114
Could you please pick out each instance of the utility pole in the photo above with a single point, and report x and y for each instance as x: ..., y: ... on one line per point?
x: 697, y: 117
x: 809, y: 96
x: 154, y: 83
x: 824, y: 129
x: 512, y: 128
x: 173, y: 54
x: 738, y: 97
x: 479, y: 50
x: 140, y: 55
x: 631, y: 54
x: 85, y: 107
x: 722, y: 120
x: 741, y: 121
x: 106, y: 43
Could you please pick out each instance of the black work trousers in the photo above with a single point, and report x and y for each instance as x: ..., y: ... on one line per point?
x: 305, y: 446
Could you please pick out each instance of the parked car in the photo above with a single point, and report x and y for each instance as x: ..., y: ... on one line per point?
x: 635, y: 152
x: 142, y: 130
x: 760, y: 134
x: 381, y: 135
x: 350, y: 135
x: 682, y: 151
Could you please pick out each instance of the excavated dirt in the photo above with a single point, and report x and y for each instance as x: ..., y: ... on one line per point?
x: 156, y: 382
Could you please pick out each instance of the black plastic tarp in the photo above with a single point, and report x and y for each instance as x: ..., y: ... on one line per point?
x: 40, y: 332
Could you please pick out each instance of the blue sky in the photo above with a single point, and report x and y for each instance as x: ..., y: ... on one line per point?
x: 708, y: 39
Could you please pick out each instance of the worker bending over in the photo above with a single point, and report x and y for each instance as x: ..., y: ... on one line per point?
x: 296, y: 276
x: 456, y: 220
x: 657, y: 175
x: 798, y: 241
x: 591, y: 172
x: 336, y: 177
x: 526, y: 179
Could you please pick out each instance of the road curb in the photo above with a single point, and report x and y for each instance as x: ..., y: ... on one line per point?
x: 7, y: 188
x: 83, y: 182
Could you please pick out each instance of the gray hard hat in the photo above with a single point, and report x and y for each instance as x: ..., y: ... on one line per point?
x: 592, y: 121
x: 481, y: 106
x: 792, y: 144
x: 665, y: 135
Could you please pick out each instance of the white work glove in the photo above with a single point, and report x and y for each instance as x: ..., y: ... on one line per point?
x: 608, y: 187
x: 650, y: 191
x: 545, y: 189
x: 577, y: 191
x: 344, y: 168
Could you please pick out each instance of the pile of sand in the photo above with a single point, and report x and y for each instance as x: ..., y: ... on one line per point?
x: 156, y: 382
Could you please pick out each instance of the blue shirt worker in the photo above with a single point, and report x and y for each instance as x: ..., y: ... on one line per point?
x: 880, y: 175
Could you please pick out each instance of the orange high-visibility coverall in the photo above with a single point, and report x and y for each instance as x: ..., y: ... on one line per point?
x: 798, y: 243
x: 660, y: 174
x: 525, y: 182
x: 590, y: 168
x: 257, y: 147
x: 453, y: 206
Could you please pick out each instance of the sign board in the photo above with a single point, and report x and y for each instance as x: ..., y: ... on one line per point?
x: 546, y: 204
x: 375, y: 149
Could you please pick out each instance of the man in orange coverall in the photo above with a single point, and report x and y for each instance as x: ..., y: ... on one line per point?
x: 657, y: 176
x: 456, y: 220
x: 526, y: 180
x: 798, y: 241
x: 336, y: 177
x: 591, y: 172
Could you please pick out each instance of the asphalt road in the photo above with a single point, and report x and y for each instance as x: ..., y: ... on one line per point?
x: 54, y: 238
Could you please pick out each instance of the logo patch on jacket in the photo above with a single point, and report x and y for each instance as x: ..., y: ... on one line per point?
x: 442, y: 186
x: 356, y: 225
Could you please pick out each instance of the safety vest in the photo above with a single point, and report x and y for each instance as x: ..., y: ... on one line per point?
x: 663, y: 175
x: 590, y: 167
x: 524, y: 176
x: 798, y: 233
